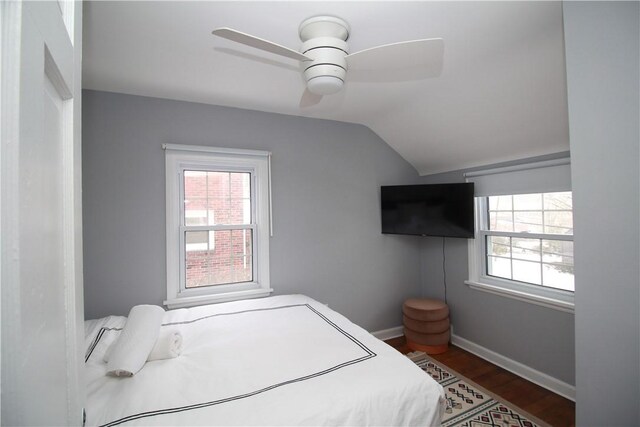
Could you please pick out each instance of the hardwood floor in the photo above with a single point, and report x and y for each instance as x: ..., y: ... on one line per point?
x: 538, y: 401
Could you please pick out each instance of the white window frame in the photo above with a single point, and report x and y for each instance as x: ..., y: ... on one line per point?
x: 557, y: 299
x: 179, y: 158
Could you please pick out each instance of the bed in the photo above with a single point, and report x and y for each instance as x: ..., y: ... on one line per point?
x: 283, y: 360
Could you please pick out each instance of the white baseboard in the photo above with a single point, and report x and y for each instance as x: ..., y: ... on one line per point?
x: 524, y: 371
x: 387, y: 334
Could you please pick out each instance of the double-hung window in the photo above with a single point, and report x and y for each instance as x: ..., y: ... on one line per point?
x: 524, y: 233
x: 217, y: 224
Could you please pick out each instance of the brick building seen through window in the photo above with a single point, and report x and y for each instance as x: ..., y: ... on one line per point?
x: 215, y: 200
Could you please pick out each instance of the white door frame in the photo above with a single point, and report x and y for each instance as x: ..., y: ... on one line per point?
x: 15, y: 407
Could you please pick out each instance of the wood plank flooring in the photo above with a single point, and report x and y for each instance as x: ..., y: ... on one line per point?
x: 538, y: 401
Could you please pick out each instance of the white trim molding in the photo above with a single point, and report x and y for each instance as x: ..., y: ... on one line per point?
x: 387, y: 334
x: 526, y: 166
x: 216, y: 150
x: 528, y: 373
x: 556, y: 304
x: 543, y: 380
x: 539, y: 177
x: 183, y: 302
x: 182, y: 158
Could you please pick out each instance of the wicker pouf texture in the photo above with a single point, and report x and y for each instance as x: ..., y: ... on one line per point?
x: 426, y: 325
x: 435, y: 327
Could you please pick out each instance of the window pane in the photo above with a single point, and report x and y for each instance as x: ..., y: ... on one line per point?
x: 218, y: 185
x: 239, y: 185
x: 557, y: 251
x: 213, y: 198
x: 499, y: 246
x: 558, y: 201
x: 560, y: 277
x: 557, y: 270
x: 500, y: 203
x: 198, y: 241
x: 528, y: 221
x: 243, y: 269
x: 195, y: 190
x: 500, y: 221
x: 527, y: 202
x: 229, y: 260
x: 196, y: 217
x: 241, y: 254
x: 525, y: 271
x: 197, y: 263
x: 558, y: 222
x: 499, y: 267
x: 526, y: 249
x: 236, y: 211
x: 246, y: 211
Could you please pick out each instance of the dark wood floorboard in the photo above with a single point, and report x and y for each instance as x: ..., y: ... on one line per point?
x: 538, y: 401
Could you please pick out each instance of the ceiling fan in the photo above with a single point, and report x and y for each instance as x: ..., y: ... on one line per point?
x: 325, y: 59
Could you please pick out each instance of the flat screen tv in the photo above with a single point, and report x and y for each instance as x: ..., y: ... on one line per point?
x: 428, y: 210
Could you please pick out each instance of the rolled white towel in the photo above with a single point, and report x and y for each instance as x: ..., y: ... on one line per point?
x: 136, y: 341
x: 168, y: 346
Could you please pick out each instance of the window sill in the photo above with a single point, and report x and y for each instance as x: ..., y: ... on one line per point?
x: 556, y: 304
x: 182, y: 302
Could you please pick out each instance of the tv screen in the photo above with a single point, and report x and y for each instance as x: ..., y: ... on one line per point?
x: 428, y: 210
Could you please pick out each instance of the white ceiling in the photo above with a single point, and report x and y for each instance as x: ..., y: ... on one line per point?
x: 501, y: 95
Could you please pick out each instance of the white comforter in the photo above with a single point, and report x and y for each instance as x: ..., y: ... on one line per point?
x: 285, y: 360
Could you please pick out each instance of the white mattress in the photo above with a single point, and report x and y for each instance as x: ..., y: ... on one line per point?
x: 284, y: 360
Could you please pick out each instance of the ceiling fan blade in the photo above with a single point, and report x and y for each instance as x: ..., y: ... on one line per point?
x: 414, y: 53
x: 258, y: 43
x: 309, y: 99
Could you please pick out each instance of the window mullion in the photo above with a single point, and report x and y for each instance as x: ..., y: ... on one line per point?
x: 219, y: 227
x: 543, y: 228
x: 529, y: 235
x: 511, y: 257
x: 541, y: 263
x: 513, y: 226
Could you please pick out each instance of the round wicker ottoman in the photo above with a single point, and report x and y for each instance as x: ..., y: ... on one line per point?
x: 426, y: 325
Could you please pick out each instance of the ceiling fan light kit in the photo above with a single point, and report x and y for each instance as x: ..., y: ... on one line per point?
x: 324, y: 55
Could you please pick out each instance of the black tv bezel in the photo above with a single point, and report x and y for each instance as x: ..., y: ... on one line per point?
x: 467, y: 185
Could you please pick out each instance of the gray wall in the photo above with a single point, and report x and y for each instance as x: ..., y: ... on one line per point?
x: 326, y: 211
x: 602, y: 51
x: 539, y: 337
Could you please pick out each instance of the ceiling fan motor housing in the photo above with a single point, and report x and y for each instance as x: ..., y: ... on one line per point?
x: 324, y: 40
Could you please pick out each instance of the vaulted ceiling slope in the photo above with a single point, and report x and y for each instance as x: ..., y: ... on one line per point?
x: 501, y: 94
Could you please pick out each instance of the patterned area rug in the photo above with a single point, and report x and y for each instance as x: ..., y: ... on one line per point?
x: 469, y: 405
